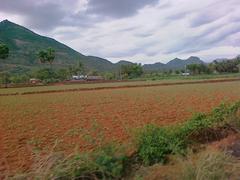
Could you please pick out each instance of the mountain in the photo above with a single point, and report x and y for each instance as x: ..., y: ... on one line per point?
x: 123, y: 62
x: 175, y: 64
x: 24, y: 45
x: 180, y: 64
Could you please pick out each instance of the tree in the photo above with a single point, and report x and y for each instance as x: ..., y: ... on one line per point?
x: 109, y: 76
x: 62, y: 74
x: 198, y: 68
x: 228, y: 66
x: 50, y: 56
x: 42, y: 55
x: 77, y: 69
x: 45, y: 74
x: 5, y: 78
x: 177, y: 72
x: 131, y: 71
x: 47, y: 56
x: 4, y: 51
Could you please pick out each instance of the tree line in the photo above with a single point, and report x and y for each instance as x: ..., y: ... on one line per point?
x: 225, y: 66
x: 47, y: 75
x: 128, y: 71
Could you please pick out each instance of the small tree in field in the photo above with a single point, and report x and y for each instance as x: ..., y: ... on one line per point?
x: 47, y: 56
x: 4, y: 53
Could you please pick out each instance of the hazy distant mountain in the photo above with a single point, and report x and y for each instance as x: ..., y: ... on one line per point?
x: 123, y: 62
x: 154, y: 67
x: 220, y: 59
x: 173, y: 64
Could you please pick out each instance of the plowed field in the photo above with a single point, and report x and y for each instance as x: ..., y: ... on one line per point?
x: 35, y: 123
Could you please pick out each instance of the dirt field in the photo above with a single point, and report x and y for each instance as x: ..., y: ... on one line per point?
x: 35, y: 123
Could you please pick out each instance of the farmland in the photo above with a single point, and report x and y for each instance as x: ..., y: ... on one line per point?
x: 81, y: 120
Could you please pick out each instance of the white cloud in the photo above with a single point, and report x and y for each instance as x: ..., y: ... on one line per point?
x: 155, y: 32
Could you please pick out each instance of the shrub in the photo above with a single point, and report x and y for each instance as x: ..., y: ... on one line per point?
x: 154, y: 143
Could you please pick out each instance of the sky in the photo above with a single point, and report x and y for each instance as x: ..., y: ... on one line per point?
x: 143, y: 31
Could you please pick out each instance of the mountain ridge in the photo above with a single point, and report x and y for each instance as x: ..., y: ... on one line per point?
x: 175, y: 64
x: 24, y: 45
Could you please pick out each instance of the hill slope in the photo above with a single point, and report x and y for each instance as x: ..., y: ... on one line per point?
x: 24, y: 45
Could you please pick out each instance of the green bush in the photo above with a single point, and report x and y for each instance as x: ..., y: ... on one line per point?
x: 44, y: 74
x: 154, y: 143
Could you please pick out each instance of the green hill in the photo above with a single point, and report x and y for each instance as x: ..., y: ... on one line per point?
x: 24, y: 45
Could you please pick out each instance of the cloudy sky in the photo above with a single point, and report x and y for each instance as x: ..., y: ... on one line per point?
x: 144, y: 31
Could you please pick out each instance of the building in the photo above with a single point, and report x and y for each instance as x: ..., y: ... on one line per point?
x: 79, y: 77
x: 186, y: 74
x: 34, y: 81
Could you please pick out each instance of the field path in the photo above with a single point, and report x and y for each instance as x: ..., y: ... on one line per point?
x: 123, y: 86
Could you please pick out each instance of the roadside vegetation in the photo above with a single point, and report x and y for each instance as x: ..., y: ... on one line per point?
x: 154, y: 145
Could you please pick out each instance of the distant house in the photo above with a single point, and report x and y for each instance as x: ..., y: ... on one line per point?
x: 79, y: 77
x: 87, y: 78
x: 34, y: 81
x: 186, y: 74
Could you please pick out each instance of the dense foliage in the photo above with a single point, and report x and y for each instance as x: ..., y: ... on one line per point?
x: 227, y: 66
x: 47, y: 56
x: 131, y: 71
x: 198, y: 69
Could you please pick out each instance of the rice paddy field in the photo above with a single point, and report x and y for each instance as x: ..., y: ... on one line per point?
x: 35, y: 124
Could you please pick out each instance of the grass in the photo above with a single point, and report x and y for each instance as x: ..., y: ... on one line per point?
x: 107, y: 162
x: 210, y: 165
x: 139, y: 82
x: 77, y: 86
x: 195, y: 77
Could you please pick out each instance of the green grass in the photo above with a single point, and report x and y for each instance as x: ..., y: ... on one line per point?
x: 82, y: 86
x: 174, y: 79
x: 195, y: 77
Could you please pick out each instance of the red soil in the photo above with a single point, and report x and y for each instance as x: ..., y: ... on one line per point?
x: 83, y: 120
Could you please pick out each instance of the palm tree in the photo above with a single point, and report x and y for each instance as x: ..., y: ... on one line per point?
x: 47, y: 56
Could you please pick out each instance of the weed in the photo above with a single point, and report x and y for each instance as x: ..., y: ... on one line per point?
x: 210, y: 165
